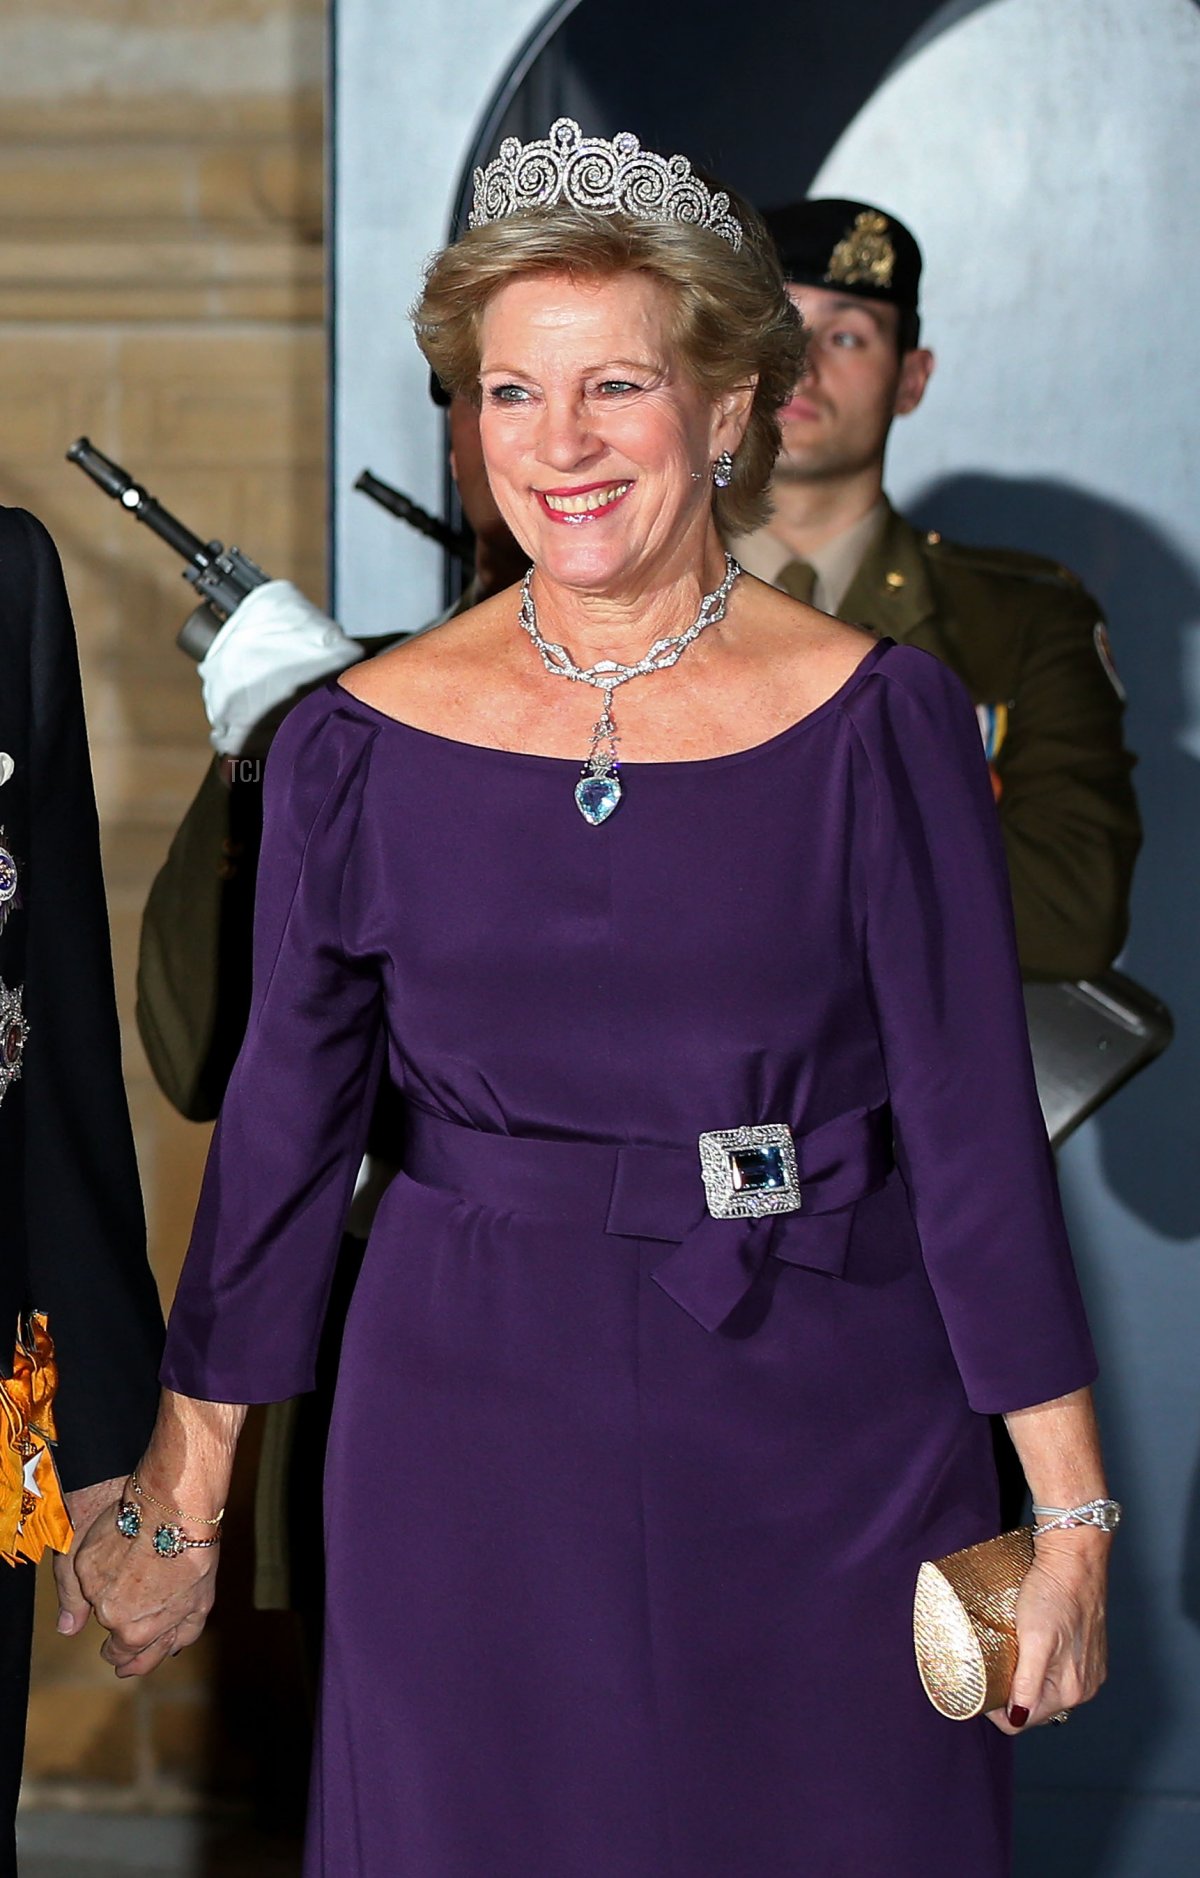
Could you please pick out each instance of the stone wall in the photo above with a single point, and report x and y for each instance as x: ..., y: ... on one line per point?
x: 161, y: 290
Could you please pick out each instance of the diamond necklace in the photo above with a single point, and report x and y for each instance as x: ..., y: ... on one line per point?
x: 599, y: 787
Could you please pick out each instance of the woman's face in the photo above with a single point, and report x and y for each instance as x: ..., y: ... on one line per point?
x: 599, y: 449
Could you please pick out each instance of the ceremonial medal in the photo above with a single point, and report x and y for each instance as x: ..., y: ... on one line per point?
x: 14, y: 1033
x: 993, y: 727
x: 8, y: 881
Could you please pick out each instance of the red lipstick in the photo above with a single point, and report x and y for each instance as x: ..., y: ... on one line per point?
x: 574, y: 517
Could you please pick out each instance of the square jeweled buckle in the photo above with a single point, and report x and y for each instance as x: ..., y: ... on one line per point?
x: 751, y: 1171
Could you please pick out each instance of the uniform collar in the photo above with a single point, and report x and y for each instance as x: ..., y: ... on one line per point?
x: 834, y: 563
x: 837, y: 562
x: 891, y: 591
x: 840, y: 564
x: 761, y: 554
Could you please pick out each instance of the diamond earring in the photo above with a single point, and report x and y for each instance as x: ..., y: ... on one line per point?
x: 722, y: 470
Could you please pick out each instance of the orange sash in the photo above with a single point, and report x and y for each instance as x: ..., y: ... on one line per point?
x: 33, y: 1513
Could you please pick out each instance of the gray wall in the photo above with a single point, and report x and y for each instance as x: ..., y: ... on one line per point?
x: 1046, y: 152
x: 409, y: 83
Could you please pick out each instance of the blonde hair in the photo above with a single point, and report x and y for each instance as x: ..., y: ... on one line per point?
x: 733, y: 319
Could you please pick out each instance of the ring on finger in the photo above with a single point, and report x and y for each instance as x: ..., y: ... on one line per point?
x: 1060, y: 1720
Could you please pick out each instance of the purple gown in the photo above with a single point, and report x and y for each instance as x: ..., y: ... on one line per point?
x: 624, y: 1503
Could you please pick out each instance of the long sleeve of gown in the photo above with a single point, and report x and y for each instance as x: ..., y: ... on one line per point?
x: 942, y: 965
x: 248, y: 1311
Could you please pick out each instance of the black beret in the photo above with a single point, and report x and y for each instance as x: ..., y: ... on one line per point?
x: 848, y: 245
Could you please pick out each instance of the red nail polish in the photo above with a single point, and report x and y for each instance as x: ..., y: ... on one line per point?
x: 1018, y: 1716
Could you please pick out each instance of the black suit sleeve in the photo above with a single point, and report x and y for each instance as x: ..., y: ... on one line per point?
x: 85, y: 1232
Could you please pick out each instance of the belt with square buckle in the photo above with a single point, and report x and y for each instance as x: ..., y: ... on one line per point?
x: 750, y: 1172
x: 754, y: 1177
x: 721, y: 1227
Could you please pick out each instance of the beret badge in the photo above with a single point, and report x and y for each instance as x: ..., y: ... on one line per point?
x: 865, y: 256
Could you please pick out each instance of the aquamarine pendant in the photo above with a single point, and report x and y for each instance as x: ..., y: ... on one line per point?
x: 597, y: 794
x: 599, y: 787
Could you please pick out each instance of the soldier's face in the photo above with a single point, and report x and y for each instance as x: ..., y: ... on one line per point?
x: 856, y: 382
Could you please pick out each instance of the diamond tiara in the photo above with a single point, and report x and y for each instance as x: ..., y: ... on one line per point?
x: 601, y: 175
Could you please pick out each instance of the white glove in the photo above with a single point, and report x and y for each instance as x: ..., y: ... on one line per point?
x: 274, y: 647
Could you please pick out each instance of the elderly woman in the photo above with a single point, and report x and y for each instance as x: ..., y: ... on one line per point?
x: 727, y: 1217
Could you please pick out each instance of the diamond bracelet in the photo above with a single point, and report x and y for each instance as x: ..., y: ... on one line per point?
x: 1105, y: 1515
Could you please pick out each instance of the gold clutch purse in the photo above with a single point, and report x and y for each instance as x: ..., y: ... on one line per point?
x: 965, y: 1627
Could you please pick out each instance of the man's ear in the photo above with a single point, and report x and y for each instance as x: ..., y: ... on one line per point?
x: 916, y: 369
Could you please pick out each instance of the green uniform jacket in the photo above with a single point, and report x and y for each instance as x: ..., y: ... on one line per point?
x: 1025, y: 636
x: 1019, y: 631
x: 195, y: 956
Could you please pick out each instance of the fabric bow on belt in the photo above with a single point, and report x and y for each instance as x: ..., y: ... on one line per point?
x: 717, y: 1260
x: 652, y: 1193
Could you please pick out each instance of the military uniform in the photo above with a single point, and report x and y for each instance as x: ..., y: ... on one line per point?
x: 1022, y: 633
x: 194, y: 958
x: 1028, y: 641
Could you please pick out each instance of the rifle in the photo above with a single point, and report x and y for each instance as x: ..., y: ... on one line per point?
x: 221, y: 576
x: 224, y: 576
x: 453, y: 541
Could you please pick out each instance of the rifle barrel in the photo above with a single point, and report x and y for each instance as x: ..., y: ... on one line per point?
x: 119, y: 484
x: 396, y: 503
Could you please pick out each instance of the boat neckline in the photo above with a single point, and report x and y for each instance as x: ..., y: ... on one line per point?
x: 866, y: 664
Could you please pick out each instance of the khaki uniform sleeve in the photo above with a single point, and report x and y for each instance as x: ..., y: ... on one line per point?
x: 1067, y: 808
x: 195, y: 953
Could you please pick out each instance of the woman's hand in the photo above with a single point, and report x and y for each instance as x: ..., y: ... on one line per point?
x: 153, y: 1607
x: 1060, y: 1629
x: 1060, y: 1609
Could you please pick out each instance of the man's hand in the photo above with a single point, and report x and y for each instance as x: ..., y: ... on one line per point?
x: 85, y: 1505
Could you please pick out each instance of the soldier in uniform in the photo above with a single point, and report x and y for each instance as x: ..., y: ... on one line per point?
x: 1021, y: 632
x: 72, y: 1235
